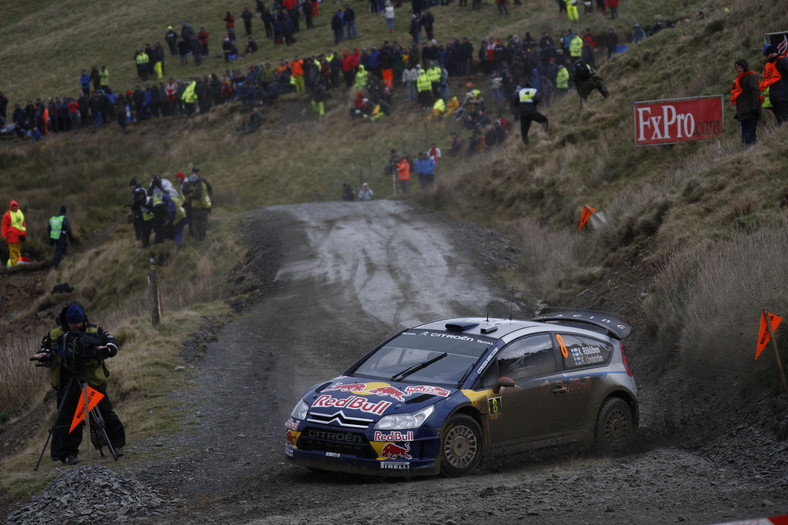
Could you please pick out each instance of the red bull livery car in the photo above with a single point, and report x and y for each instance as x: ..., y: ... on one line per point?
x: 437, y: 397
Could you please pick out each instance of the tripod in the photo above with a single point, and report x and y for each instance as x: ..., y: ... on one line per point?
x: 99, y: 426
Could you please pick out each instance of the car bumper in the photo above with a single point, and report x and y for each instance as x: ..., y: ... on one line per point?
x: 415, y: 457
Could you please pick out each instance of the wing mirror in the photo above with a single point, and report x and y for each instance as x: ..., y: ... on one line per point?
x: 503, y: 382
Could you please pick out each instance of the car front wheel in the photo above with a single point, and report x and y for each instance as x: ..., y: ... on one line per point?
x: 461, y: 446
x: 615, y: 427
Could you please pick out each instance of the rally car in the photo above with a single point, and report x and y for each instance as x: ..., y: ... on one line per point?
x: 435, y: 398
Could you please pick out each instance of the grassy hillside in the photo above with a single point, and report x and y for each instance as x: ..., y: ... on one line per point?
x: 696, y: 237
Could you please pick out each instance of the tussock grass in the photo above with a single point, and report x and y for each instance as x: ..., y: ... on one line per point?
x: 20, y: 391
x: 708, y: 299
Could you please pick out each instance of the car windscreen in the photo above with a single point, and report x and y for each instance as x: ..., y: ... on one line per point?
x: 425, y: 356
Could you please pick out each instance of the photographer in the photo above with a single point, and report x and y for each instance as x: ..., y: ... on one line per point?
x: 75, y: 350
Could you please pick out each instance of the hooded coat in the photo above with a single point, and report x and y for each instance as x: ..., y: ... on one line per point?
x: 13, y: 228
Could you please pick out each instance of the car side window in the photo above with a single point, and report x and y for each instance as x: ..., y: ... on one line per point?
x: 529, y: 356
x: 580, y: 352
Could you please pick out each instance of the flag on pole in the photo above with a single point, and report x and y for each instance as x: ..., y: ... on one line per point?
x: 94, y: 396
x: 587, y: 212
x: 763, y: 333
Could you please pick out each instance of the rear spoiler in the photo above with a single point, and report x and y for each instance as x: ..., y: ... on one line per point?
x: 609, y: 322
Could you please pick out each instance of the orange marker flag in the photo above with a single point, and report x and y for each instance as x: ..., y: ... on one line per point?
x: 763, y: 333
x: 587, y: 212
x: 94, y: 396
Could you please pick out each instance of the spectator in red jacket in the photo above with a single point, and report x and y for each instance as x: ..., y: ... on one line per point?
x: 14, y: 232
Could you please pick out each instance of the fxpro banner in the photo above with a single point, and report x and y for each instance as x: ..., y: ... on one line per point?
x: 678, y: 120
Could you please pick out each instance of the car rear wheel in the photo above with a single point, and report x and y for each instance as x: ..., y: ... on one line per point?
x: 461, y: 446
x: 615, y: 427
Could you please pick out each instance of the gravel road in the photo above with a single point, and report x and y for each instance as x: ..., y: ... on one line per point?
x: 327, y: 281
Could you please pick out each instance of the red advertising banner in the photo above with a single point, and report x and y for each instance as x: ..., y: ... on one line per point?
x: 678, y: 120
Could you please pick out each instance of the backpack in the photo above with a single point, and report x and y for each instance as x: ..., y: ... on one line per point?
x: 582, y: 71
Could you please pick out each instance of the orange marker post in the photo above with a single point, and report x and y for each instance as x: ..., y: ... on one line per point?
x: 766, y: 334
x: 92, y: 398
x: 587, y: 212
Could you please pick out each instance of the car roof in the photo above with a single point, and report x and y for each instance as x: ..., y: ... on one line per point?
x: 485, y: 326
x: 596, y: 321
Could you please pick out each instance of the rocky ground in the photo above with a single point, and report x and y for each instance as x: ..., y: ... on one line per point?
x: 331, y: 279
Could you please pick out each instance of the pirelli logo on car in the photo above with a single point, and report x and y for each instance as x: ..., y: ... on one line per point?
x: 394, y: 466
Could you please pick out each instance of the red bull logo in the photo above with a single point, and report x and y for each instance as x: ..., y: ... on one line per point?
x: 393, y: 436
x: 394, y: 451
x: 290, y: 438
x: 386, y: 390
x: 352, y: 403
x: 390, y: 391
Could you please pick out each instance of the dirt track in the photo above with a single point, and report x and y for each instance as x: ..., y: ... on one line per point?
x: 332, y: 279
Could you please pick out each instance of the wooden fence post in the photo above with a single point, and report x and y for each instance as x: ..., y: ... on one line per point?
x: 153, y: 284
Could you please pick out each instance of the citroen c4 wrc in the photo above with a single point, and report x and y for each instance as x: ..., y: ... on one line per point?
x: 438, y: 397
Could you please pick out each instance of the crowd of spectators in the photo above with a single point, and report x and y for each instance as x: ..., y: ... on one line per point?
x: 421, y: 68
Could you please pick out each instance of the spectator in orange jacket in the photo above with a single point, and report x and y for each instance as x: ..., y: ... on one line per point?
x: 403, y: 173
x: 14, y: 232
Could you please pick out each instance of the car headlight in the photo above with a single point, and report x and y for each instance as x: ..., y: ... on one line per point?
x: 300, y: 410
x: 403, y: 421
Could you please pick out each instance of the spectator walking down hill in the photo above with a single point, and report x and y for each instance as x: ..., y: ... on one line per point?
x: 775, y: 83
x: 202, y: 37
x: 434, y: 153
x: 428, y: 23
x: 318, y: 97
x: 587, y: 80
x: 612, y: 42
x: 84, y: 82
x: 336, y: 27
x: 189, y: 97
x: 571, y: 10
x: 104, y: 79
x: 142, y: 214
x: 613, y: 6
x: 403, y: 173
x: 142, y: 61
x: 171, y: 37
x: 456, y: 144
x: 638, y: 35
x: 76, y: 350
x: 198, y: 194
x: 388, y: 16
x: 349, y: 20
x: 184, y: 48
x: 158, y: 188
x: 526, y: 100
x: 347, y: 192
x: 425, y: 170
x: 746, y: 98
x: 247, y: 15
x: 3, y: 108
x: 59, y: 235
x: 13, y: 231
x: 229, y: 25
x: 415, y: 29
x: 365, y: 193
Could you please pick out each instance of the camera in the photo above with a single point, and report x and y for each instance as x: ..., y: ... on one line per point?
x: 43, y: 358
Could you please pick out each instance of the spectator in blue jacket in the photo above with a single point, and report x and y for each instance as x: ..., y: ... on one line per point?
x: 84, y: 81
x: 425, y: 170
